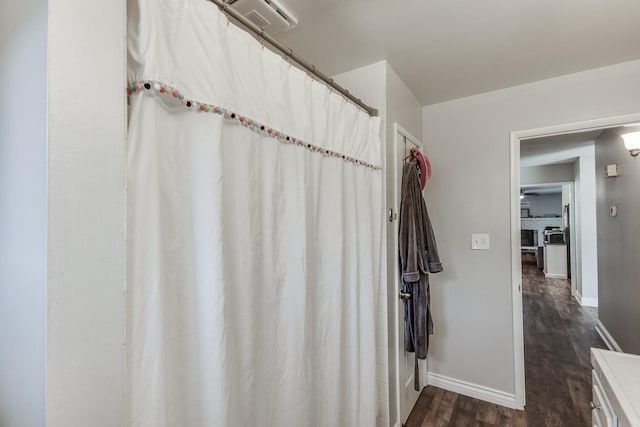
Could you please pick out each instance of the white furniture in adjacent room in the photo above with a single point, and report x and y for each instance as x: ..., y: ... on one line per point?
x: 555, y: 260
x: 616, y: 389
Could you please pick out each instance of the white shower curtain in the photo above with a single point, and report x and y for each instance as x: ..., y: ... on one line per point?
x: 253, y: 256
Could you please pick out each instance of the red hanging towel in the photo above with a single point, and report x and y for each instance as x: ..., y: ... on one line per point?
x: 423, y: 164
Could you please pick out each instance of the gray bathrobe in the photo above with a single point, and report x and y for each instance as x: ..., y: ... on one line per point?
x: 418, y: 257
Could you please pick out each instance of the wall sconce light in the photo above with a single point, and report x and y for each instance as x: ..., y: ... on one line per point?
x: 632, y: 143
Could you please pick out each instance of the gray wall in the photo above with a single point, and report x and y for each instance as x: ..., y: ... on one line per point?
x: 618, y: 242
x: 23, y: 208
x: 546, y: 174
x: 468, y: 143
x: 544, y: 204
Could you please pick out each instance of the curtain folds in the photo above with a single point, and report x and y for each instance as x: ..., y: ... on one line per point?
x: 252, y: 263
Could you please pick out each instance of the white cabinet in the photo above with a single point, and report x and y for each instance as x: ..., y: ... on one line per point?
x: 616, y: 389
x: 555, y: 260
x: 602, y: 411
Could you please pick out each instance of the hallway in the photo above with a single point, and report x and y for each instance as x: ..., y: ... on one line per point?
x: 558, y: 333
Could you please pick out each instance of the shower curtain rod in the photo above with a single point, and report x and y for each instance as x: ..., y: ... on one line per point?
x: 291, y: 55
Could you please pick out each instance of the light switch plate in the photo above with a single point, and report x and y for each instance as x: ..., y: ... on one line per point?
x: 480, y: 241
x: 611, y: 170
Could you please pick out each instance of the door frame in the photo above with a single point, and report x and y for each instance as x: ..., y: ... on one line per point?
x: 572, y: 203
x: 394, y: 305
x: 516, y: 267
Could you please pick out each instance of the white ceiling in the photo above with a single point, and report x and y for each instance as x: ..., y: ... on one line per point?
x: 450, y: 49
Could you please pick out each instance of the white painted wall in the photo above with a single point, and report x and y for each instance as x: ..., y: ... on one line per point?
x: 468, y: 143
x: 546, y: 174
x: 86, y: 224
x: 23, y: 211
x: 618, y: 242
x: 369, y: 83
x: 577, y: 286
x: 379, y: 86
x: 586, y: 229
x: 566, y: 194
x: 402, y: 108
x: 589, y: 231
x: 569, y: 198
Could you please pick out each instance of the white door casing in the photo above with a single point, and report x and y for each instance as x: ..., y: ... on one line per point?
x: 400, y: 362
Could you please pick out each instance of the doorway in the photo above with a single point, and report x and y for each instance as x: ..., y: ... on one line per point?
x: 546, y: 223
x: 516, y: 265
x: 402, y: 394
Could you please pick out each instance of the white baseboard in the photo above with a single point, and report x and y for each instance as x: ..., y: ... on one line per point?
x: 555, y: 276
x: 588, y: 302
x: 578, y: 296
x: 474, y: 390
x: 606, y: 337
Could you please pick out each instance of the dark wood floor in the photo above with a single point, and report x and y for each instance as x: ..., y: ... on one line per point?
x: 558, y: 333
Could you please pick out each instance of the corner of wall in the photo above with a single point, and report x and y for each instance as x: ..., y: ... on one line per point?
x: 402, y: 106
x: 617, y: 241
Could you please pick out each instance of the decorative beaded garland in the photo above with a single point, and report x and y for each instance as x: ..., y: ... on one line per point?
x: 162, y: 88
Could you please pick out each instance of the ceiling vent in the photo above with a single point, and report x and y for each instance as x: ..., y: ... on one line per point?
x: 270, y: 15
